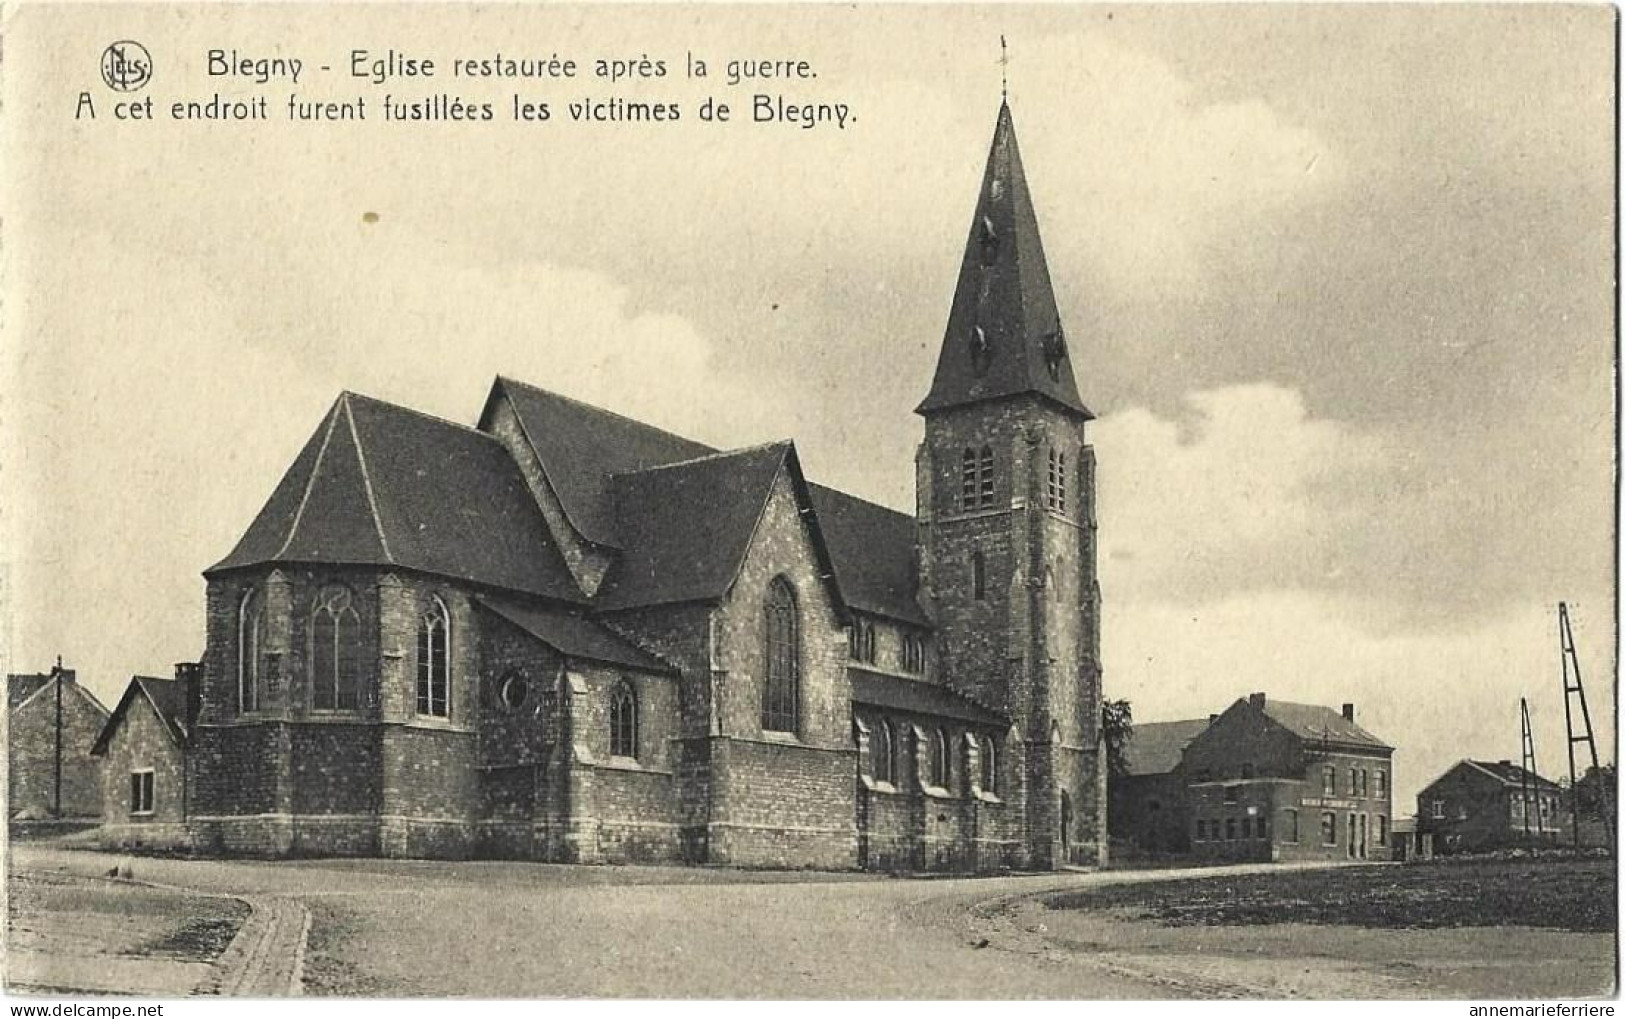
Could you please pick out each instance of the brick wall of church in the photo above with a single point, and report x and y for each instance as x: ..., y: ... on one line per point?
x: 782, y: 800
x: 292, y: 779
x: 1029, y: 644
x: 910, y: 825
x: 629, y: 805
x: 681, y: 636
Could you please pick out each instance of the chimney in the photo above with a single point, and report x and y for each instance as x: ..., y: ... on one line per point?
x: 1348, y: 712
x: 1256, y: 700
x: 1212, y: 718
x: 1504, y: 763
x: 190, y: 676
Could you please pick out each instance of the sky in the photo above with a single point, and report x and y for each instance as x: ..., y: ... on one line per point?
x: 1337, y: 282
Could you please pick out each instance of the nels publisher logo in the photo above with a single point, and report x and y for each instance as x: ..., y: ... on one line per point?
x: 126, y: 66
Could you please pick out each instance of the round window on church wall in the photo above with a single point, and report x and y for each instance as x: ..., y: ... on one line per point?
x: 514, y: 691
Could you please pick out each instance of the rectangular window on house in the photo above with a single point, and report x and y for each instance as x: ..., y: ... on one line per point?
x: 1354, y: 781
x: 1328, y: 828
x: 1328, y: 781
x: 1230, y: 828
x: 1438, y: 810
x: 1261, y: 828
x: 1382, y: 829
x: 141, y: 790
x: 1232, y: 793
x: 1201, y: 830
x: 1381, y: 783
x: 1289, y: 826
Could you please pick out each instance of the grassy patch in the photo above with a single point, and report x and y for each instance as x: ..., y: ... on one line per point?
x: 1567, y: 895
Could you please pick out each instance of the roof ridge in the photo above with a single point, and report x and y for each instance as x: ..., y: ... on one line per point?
x: 601, y: 410
x: 867, y: 502
x: 366, y: 480
x: 310, y: 479
x: 350, y: 394
x: 718, y: 455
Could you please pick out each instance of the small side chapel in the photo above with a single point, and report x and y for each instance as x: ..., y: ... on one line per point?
x: 565, y: 635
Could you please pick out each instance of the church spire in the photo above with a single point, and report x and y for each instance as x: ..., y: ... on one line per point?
x: 1004, y: 335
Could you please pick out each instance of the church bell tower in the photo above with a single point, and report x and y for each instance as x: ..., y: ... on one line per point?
x: 1006, y: 515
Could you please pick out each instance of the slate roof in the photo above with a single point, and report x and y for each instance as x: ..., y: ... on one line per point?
x: 382, y: 485
x: 873, y: 551
x: 581, y: 446
x: 1318, y: 723
x: 168, y: 700
x: 1003, y: 299
x: 1155, y: 748
x: 575, y: 636
x: 685, y: 527
x: 921, y: 698
x: 378, y: 484
x: 1511, y: 774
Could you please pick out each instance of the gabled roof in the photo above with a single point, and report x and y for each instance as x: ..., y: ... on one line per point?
x: 383, y: 485
x: 1510, y: 774
x: 1320, y: 724
x: 686, y: 527
x: 1155, y: 748
x: 1004, y: 335
x: 21, y: 686
x: 580, y: 446
x: 575, y: 636
x: 167, y: 699
x: 921, y: 698
x: 873, y: 551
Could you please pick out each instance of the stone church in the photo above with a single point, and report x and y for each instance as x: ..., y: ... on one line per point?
x: 566, y: 635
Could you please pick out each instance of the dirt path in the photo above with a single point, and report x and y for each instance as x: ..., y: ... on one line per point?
x: 73, y: 933
x: 413, y: 928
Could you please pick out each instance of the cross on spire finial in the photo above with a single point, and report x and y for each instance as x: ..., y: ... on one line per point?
x: 1004, y: 70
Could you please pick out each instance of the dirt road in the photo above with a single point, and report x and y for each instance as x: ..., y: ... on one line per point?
x: 400, y: 928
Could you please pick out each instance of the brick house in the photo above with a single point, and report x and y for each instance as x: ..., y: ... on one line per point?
x: 1273, y: 780
x: 142, y: 748
x: 566, y: 635
x: 51, y: 723
x: 1477, y: 805
x: 1147, y: 804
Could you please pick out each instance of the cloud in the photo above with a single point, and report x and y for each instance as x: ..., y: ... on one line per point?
x: 1244, y: 492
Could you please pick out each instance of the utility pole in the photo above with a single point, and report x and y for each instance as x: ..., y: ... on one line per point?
x: 1571, y: 672
x: 56, y: 796
x: 1530, y: 775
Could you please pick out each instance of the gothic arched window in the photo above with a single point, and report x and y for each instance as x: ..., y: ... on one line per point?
x: 978, y: 576
x: 990, y: 766
x: 335, y: 651
x: 781, y: 693
x: 882, y: 755
x: 939, y: 758
x: 623, y: 721
x: 250, y: 649
x: 434, y: 660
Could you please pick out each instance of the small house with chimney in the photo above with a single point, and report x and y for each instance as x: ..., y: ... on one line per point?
x: 1480, y: 805
x: 142, y: 750
x: 1274, y: 780
x: 51, y: 722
